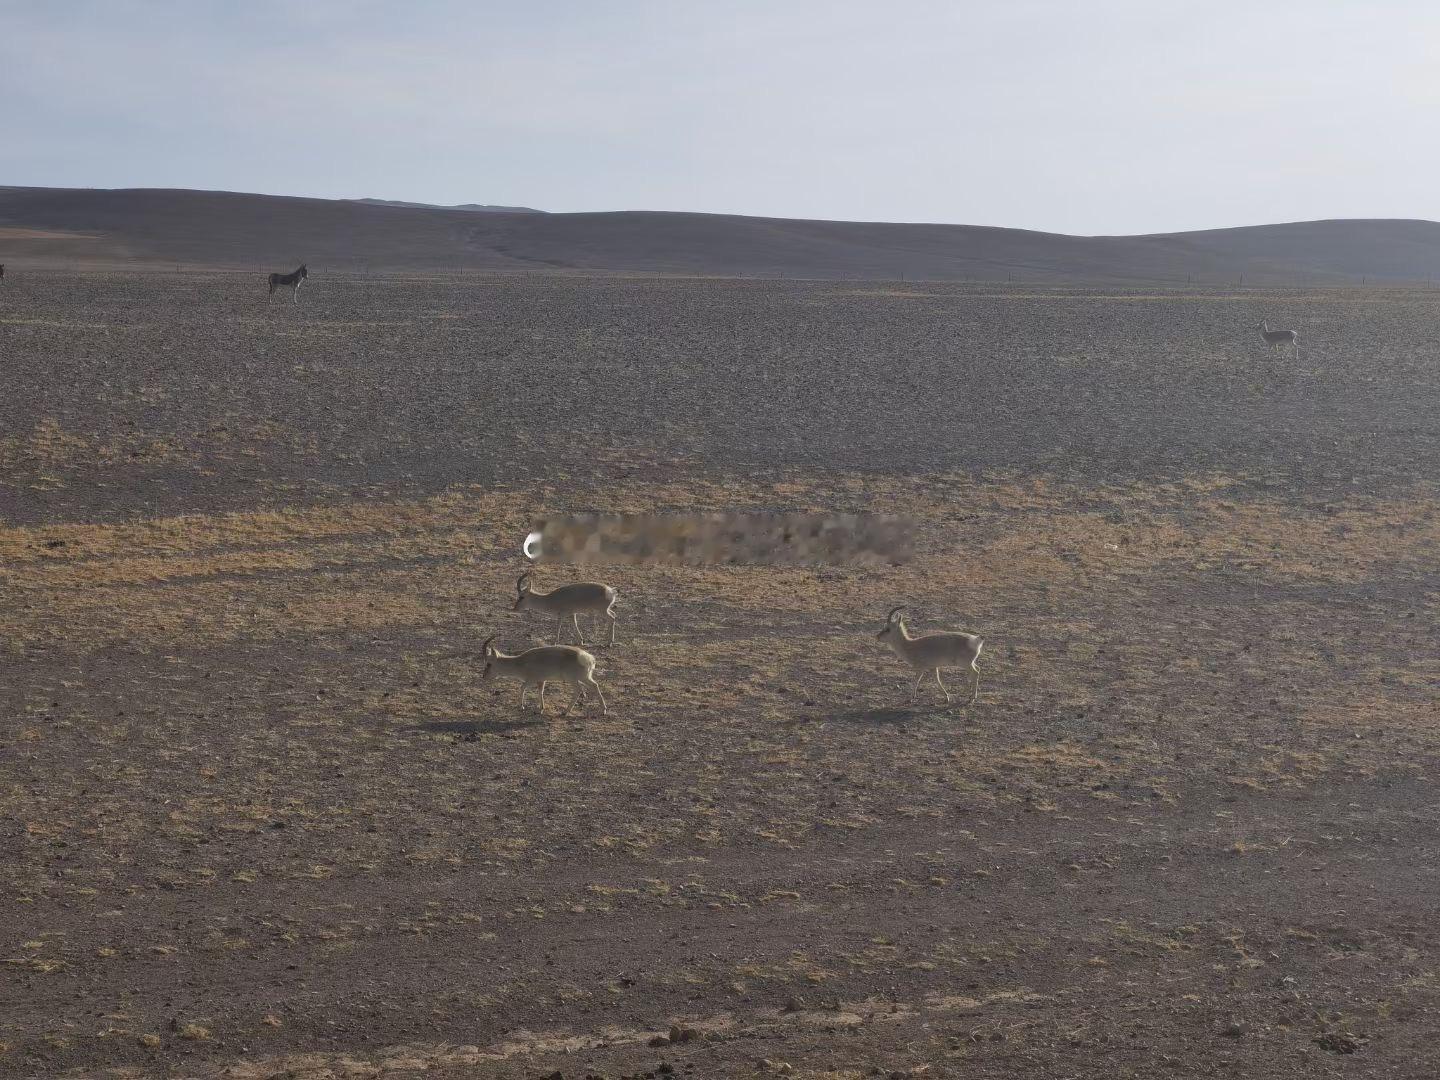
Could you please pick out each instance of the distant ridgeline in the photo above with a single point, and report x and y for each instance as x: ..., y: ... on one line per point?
x: 77, y: 228
x: 484, y: 208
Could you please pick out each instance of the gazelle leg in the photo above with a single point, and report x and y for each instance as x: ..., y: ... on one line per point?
x: 976, y: 694
x: 610, y: 614
x: 558, y: 623
x: 590, y: 681
x: 542, y: 699
x: 524, y: 689
x: 941, y: 685
x: 575, y: 621
x: 915, y: 690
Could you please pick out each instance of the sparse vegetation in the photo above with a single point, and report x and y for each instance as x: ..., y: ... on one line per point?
x: 253, y: 777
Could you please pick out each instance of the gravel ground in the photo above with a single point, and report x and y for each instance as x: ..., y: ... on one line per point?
x: 262, y: 817
x: 421, y: 383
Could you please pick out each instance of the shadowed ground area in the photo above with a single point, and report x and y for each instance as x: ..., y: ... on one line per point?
x: 261, y: 816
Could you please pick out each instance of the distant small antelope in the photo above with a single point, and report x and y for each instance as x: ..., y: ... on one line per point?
x: 931, y: 652
x: 588, y: 596
x: 2, y: 271
x: 292, y: 279
x: 1278, y: 339
x: 545, y: 664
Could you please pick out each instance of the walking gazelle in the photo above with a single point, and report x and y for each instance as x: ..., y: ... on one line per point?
x: 931, y: 652
x: 542, y: 665
x: 1278, y: 339
x: 292, y: 279
x: 568, y: 601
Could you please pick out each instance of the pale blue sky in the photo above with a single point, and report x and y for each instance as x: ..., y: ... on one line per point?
x: 1112, y: 116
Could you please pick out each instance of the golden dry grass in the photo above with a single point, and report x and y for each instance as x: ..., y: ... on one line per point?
x: 1063, y: 582
x: 250, y: 743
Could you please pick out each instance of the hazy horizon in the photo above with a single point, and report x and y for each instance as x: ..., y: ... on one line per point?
x: 640, y: 209
x: 1109, y: 118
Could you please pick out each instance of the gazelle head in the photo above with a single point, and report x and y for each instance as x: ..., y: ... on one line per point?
x: 894, y: 625
x: 522, y: 592
x: 303, y: 271
x: 488, y: 651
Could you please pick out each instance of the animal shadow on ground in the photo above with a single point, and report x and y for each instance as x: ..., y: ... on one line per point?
x: 470, y: 729
x: 885, y: 716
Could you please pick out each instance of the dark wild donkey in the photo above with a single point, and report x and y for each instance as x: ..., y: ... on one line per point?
x: 293, y: 280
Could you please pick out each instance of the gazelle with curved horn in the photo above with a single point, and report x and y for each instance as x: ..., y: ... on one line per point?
x: 544, y: 664
x: 1279, y: 339
x: 589, y: 597
x: 931, y: 652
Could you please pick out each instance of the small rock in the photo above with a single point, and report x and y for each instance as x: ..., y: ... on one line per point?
x: 1339, y: 1042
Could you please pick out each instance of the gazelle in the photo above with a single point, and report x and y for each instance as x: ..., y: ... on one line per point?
x: 1278, y: 339
x: 544, y: 664
x: 931, y: 652
x: 587, y: 596
x: 293, y: 279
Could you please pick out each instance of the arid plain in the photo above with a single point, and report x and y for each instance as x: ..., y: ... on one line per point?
x: 261, y: 817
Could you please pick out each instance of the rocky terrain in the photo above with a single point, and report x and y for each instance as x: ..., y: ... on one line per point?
x: 262, y: 817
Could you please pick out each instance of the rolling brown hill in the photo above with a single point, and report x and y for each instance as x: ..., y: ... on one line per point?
x: 61, y: 227
x: 484, y: 208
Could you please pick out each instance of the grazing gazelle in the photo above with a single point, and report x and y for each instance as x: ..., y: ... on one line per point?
x: 545, y: 664
x: 292, y: 279
x: 587, y: 596
x: 1278, y: 339
x: 931, y: 652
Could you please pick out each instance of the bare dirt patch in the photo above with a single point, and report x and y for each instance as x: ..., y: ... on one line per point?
x: 262, y: 817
